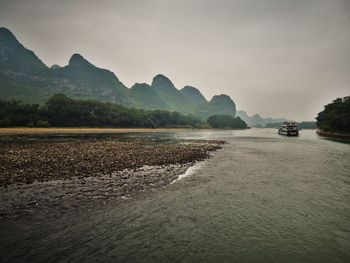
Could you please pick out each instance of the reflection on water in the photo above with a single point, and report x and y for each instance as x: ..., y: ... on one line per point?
x: 263, y: 198
x: 336, y: 139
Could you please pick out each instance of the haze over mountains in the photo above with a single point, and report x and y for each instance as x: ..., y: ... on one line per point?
x: 23, y: 76
x: 256, y: 120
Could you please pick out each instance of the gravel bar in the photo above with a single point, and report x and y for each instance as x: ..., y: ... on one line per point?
x: 57, y: 174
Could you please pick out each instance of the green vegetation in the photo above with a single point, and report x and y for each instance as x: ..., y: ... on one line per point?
x: 24, y: 77
x: 218, y: 105
x: 15, y: 113
x: 336, y: 116
x: 308, y: 125
x: 226, y: 121
x: 61, y: 111
x: 193, y: 95
x: 144, y: 97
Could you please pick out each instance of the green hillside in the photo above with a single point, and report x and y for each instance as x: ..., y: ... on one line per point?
x: 23, y: 76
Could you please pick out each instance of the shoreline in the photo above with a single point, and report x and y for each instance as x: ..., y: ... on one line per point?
x: 39, y: 178
x: 87, y: 130
x: 74, y: 130
x: 341, y: 135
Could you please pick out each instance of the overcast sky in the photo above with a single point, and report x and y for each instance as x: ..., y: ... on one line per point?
x: 277, y: 58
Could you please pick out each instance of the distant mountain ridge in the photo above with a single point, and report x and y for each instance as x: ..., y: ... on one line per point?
x: 257, y: 120
x: 23, y: 76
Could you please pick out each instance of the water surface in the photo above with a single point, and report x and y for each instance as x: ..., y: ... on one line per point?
x: 262, y: 198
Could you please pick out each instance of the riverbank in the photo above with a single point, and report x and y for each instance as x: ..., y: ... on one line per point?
x: 69, y: 173
x: 333, y: 134
x: 30, y: 131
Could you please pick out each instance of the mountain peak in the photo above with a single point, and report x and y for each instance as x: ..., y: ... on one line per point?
x: 14, y: 56
x: 7, y: 37
x: 140, y: 86
x: 224, y: 102
x: 78, y: 60
x: 193, y: 94
x: 161, y: 81
x: 160, y: 76
x: 190, y: 88
x: 55, y: 66
x: 221, y: 98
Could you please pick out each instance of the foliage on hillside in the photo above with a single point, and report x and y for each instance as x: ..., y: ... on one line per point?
x: 336, y: 116
x: 14, y: 113
x: 308, y: 125
x: 218, y: 105
x: 226, y: 121
x: 143, y: 96
x: 61, y: 111
x: 23, y: 76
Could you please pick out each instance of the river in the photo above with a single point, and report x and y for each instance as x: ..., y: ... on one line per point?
x: 262, y: 198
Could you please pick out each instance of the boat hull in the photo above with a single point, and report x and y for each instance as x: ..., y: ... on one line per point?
x: 288, y: 133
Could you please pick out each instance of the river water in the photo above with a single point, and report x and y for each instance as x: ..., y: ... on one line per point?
x: 262, y: 198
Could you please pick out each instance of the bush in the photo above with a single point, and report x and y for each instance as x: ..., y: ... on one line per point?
x: 336, y: 116
x: 61, y: 111
x: 226, y: 121
x: 43, y: 123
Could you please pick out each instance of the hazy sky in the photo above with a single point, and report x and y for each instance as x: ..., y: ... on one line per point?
x: 273, y: 57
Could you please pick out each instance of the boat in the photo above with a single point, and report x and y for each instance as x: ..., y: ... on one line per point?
x: 289, y: 129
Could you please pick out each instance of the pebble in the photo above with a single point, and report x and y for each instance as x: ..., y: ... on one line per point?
x: 80, y: 173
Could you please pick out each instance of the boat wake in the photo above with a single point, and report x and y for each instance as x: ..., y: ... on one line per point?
x: 191, y: 170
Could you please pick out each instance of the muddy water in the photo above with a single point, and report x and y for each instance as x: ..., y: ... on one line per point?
x: 262, y: 198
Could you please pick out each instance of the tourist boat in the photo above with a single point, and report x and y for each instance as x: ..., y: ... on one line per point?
x: 289, y: 129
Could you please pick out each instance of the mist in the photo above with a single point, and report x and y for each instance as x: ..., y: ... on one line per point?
x: 276, y: 58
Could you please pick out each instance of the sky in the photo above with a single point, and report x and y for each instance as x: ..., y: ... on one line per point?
x: 277, y: 58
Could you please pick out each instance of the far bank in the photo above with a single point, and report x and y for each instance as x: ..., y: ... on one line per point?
x: 79, y: 130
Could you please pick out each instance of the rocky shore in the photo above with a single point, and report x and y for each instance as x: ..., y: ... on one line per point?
x: 66, y: 173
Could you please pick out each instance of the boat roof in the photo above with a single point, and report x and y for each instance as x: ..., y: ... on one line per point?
x: 290, y: 123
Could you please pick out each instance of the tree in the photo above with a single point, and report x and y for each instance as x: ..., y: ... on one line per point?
x: 61, y: 111
x: 226, y: 121
x: 336, y: 116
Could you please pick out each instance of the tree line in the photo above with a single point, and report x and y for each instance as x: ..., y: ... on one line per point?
x: 61, y: 111
x: 336, y: 116
x: 226, y: 121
